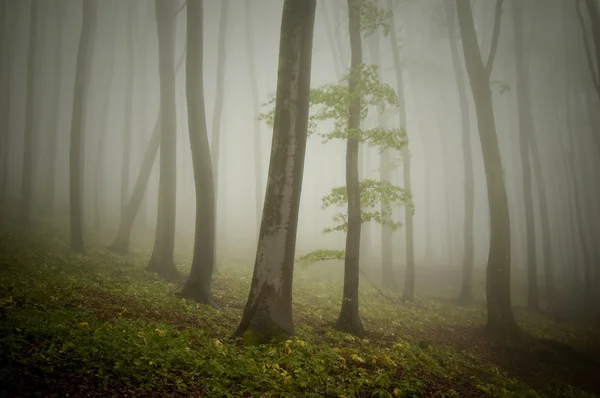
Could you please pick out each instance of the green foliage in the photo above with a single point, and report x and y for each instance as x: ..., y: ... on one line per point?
x: 98, y: 325
x: 372, y: 193
x: 502, y: 86
x: 373, y: 17
x: 321, y: 255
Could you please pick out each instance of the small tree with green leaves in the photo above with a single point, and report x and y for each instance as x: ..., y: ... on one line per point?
x: 330, y: 102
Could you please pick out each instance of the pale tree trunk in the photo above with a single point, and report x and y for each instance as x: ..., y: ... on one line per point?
x: 162, y: 261
x: 268, y: 311
x: 60, y: 15
x: 500, y: 318
x: 349, y: 318
x: 466, y: 292
x: 28, y: 146
x: 385, y: 167
x: 198, y: 285
x: 409, y: 279
x: 526, y: 126
x: 127, y: 126
x: 78, y: 122
x: 256, y: 111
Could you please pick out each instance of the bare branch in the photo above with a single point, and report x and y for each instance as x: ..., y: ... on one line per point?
x: 495, y: 37
x: 181, y: 7
x: 180, y: 61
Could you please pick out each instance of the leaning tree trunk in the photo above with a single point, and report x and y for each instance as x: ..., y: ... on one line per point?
x: 28, y: 148
x: 499, y: 310
x: 349, y: 318
x: 162, y: 261
x: 409, y: 280
x: 466, y: 292
x: 198, y: 285
x: 78, y: 119
x: 526, y: 126
x: 268, y: 311
x: 256, y: 110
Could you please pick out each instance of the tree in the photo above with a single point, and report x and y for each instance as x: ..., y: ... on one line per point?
x: 268, y: 311
x: 28, y: 148
x: 161, y: 260
x: 256, y: 104
x: 78, y: 120
x: 500, y: 318
x: 409, y: 280
x: 466, y: 292
x: 526, y: 127
x: 5, y: 75
x: 198, y: 285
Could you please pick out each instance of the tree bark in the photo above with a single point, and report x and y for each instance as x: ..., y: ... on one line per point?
x: 5, y: 79
x: 466, y: 292
x: 256, y: 111
x: 198, y: 285
x: 409, y: 279
x: 499, y: 310
x: 526, y: 126
x: 349, y: 318
x: 162, y: 261
x: 268, y: 311
x: 28, y: 146
x: 78, y: 121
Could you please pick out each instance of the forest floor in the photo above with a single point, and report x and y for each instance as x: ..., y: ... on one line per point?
x: 98, y: 325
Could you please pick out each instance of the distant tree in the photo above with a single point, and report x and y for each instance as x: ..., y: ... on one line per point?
x: 5, y: 78
x: 466, y: 291
x: 28, y: 146
x: 198, y: 285
x: 256, y: 108
x: 78, y: 121
x: 500, y: 318
x: 162, y: 261
x: 268, y: 311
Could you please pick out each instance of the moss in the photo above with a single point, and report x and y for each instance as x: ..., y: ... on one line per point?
x: 270, y: 333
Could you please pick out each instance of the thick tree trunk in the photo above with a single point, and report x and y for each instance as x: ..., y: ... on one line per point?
x: 78, y: 120
x: 28, y: 147
x: 526, y: 127
x: 162, y: 261
x: 466, y: 292
x: 349, y: 318
x: 409, y: 279
x: 127, y: 127
x: 256, y: 111
x: 268, y: 311
x: 198, y: 285
x: 499, y: 310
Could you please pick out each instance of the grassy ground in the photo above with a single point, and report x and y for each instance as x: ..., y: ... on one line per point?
x: 98, y: 325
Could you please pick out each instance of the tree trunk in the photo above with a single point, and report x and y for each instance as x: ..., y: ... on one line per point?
x: 198, y: 285
x: 5, y: 79
x: 127, y: 127
x: 409, y: 279
x: 466, y: 292
x: 28, y: 147
x: 256, y: 111
x: 78, y: 120
x: 499, y: 311
x: 526, y: 126
x: 268, y: 311
x: 161, y: 260
x: 349, y: 318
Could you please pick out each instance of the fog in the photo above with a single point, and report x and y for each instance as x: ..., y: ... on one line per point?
x: 564, y: 110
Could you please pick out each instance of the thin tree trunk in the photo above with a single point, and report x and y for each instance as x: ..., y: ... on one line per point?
x: 499, y: 310
x: 127, y: 127
x: 526, y: 126
x: 349, y: 318
x: 78, y: 121
x: 268, y: 311
x: 162, y: 261
x: 256, y: 110
x: 198, y: 285
x: 409, y: 279
x: 5, y: 97
x: 28, y: 147
x: 466, y: 292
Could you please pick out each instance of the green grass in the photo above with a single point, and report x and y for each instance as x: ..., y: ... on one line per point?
x: 99, y: 325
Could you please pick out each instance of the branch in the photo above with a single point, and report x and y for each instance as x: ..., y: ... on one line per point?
x: 181, y: 7
x: 586, y: 45
x: 180, y: 61
x: 495, y: 36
